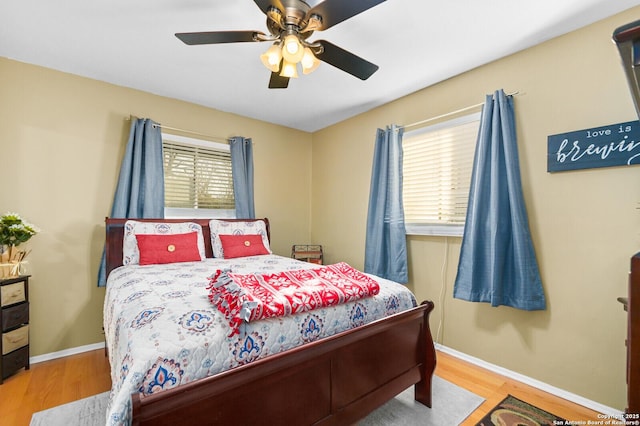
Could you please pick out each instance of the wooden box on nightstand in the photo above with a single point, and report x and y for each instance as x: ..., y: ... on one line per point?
x: 14, y: 323
x: 307, y: 252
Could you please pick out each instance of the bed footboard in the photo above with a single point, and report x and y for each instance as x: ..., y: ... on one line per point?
x: 337, y: 380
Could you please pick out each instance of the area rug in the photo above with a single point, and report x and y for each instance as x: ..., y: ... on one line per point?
x: 515, y: 412
x: 89, y: 411
x: 451, y: 405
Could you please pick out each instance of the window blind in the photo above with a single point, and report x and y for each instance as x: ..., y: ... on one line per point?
x: 197, y: 177
x: 437, y: 165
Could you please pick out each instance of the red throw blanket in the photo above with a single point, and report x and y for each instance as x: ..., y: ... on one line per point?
x: 248, y: 297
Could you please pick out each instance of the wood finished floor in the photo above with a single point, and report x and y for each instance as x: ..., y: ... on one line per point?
x: 63, y: 380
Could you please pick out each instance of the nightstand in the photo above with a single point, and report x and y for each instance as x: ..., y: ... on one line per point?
x: 308, y: 252
x: 14, y: 322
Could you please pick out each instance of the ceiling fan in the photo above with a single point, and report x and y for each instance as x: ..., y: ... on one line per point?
x: 290, y: 24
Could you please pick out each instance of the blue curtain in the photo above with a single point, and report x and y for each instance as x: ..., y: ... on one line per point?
x: 497, y: 260
x: 140, y: 190
x: 242, y: 169
x: 386, y: 245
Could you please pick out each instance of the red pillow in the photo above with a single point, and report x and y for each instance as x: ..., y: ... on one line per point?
x: 168, y: 248
x: 242, y: 245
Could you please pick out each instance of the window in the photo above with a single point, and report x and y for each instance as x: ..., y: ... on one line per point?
x: 197, y: 178
x: 437, y: 165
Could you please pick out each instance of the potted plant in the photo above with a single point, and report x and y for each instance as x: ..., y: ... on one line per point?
x: 13, y: 232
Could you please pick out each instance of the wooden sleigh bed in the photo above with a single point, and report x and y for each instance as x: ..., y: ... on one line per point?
x: 333, y: 381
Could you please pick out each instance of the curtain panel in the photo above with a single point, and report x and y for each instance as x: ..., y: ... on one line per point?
x: 386, y: 244
x: 140, y: 190
x: 498, y: 263
x: 242, y: 170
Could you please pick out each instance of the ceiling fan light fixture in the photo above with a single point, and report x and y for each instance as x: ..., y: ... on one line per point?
x: 309, y: 61
x: 271, y: 58
x: 289, y: 69
x: 292, y: 49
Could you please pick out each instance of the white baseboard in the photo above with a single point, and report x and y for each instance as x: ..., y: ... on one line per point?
x: 596, y: 406
x: 65, y: 352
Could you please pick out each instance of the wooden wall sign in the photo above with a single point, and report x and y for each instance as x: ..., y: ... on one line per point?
x: 607, y: 146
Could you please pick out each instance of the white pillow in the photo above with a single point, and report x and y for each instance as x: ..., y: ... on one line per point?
x: 130, y: 252
x: 224, y: 227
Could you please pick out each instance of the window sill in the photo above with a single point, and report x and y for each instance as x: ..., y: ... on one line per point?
x: 185, y: 213
x: 434, y: 230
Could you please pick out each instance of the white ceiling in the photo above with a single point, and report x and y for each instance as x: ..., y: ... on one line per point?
x: 416, y: 43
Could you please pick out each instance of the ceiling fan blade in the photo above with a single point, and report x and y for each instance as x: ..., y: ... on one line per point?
x: 335, y: 11
x: 278, y: 82
x: 215, y: 37
x: 346, y: 61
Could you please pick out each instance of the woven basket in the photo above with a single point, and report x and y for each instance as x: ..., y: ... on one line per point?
x: 10, y: 268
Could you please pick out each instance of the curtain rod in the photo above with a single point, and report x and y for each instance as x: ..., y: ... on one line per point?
x: 191, y: 132
x: 417, y: 123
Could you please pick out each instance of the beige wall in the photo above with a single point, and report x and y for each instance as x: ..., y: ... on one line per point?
x: 585, y: 224
x: 62, y: 138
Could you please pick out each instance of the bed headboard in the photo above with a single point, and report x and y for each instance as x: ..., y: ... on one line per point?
x: 115, y: 236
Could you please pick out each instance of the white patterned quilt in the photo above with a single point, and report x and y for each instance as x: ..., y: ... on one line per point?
x: 162, y: 330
